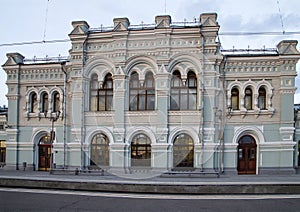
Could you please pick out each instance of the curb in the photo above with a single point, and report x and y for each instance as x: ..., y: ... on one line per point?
x: 159, y: 188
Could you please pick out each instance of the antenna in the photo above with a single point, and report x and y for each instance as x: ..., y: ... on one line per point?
x: 46, y: 20
x: 279, y: 11
x: 165, y: 7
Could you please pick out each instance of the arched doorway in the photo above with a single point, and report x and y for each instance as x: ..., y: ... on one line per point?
x: 141, y: 151
x: 247, y: 153
x: 99, y: 151
x: 44, y: 155
x: 183, y: 152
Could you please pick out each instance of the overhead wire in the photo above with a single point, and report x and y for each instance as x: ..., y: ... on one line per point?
x: 220, y: 34
x: 34, y: 42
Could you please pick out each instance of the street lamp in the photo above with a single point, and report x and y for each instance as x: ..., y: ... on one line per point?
x: 52, y: 134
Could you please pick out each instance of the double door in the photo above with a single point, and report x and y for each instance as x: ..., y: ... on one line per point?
x: 44, y: 157
x: 247, y: 153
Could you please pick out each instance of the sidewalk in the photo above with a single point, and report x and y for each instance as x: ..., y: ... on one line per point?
x: 141, y: 183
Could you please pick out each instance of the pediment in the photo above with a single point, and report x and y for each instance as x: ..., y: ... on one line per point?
x: 289, y: 49
x: 120, y: 27
x: 13, y: 59
x: 77, y: 31
x: 163, y: 24
x: 10, y: 62
x: 209, y: 22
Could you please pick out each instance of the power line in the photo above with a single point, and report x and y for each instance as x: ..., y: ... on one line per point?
x: 220, y: 34
x: 34, y: 42
x: 258, y: 33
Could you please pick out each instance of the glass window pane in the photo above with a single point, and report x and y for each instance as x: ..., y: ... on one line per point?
x: 133, y: 102
x: 235, y: 99
x: 175, y: 102
x: 234, y: 102
x: 102, y: 103
x: 192, y: 101
x: 56, y: 102
x: 34, y: 103
x: 248, y: 102
x: 93, y: 103
x: 44, y: 102
x: 183, y: 101
x: 262, y: 98
x: 141, y: 102
x: 150, y: 102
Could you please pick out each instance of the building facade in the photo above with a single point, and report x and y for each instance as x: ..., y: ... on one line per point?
x: 156, y: 97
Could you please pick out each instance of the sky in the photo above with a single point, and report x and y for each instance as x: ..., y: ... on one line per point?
x: 38, y: 20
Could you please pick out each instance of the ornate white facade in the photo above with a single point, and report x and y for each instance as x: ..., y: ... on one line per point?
x: 160, y: 97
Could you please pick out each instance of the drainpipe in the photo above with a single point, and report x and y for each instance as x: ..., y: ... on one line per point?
x: 64, y: 111
x: 223, y: 117
x: 202, y: 101
x: 17, y: 114
x: 83, y: 105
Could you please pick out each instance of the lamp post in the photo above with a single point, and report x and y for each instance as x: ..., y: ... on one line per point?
x: 52, y: 135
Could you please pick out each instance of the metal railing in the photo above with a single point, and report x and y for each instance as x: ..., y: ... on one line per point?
x: 47, y: 59
x: 147, y: 26
x: 250, y: 51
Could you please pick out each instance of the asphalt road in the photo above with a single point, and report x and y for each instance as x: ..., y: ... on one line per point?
x: 57, y: 200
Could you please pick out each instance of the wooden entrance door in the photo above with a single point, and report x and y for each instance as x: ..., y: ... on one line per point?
x: 44, y: 154
x: 247, y: 155
x: 44, y: 157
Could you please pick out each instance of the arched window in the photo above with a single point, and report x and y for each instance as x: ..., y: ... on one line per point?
x: 141, y: 151
x: 94, y: 93
x: 45, y: 102
x: 235, y: 99
x: 142, y: 97
x: 99, y: 151
x: 192, y: 91
x: 183, y: 151
x: 176, y: 85
x: 248, y: 98
x: 183, y: 97
x: 56, y: 102
x: 33, y: 103
x: 262, y: 98
x: 106, y: 94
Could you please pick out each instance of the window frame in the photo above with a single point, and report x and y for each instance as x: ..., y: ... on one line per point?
x: 262, y: 98
x: 33, y: 101
x: 182, y: 95
x: 140, y: 151
x: 107, y: 90
x: 141, y: 97
x: 56, y: 102
x: 248, y: 99
x: 99, y: 147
